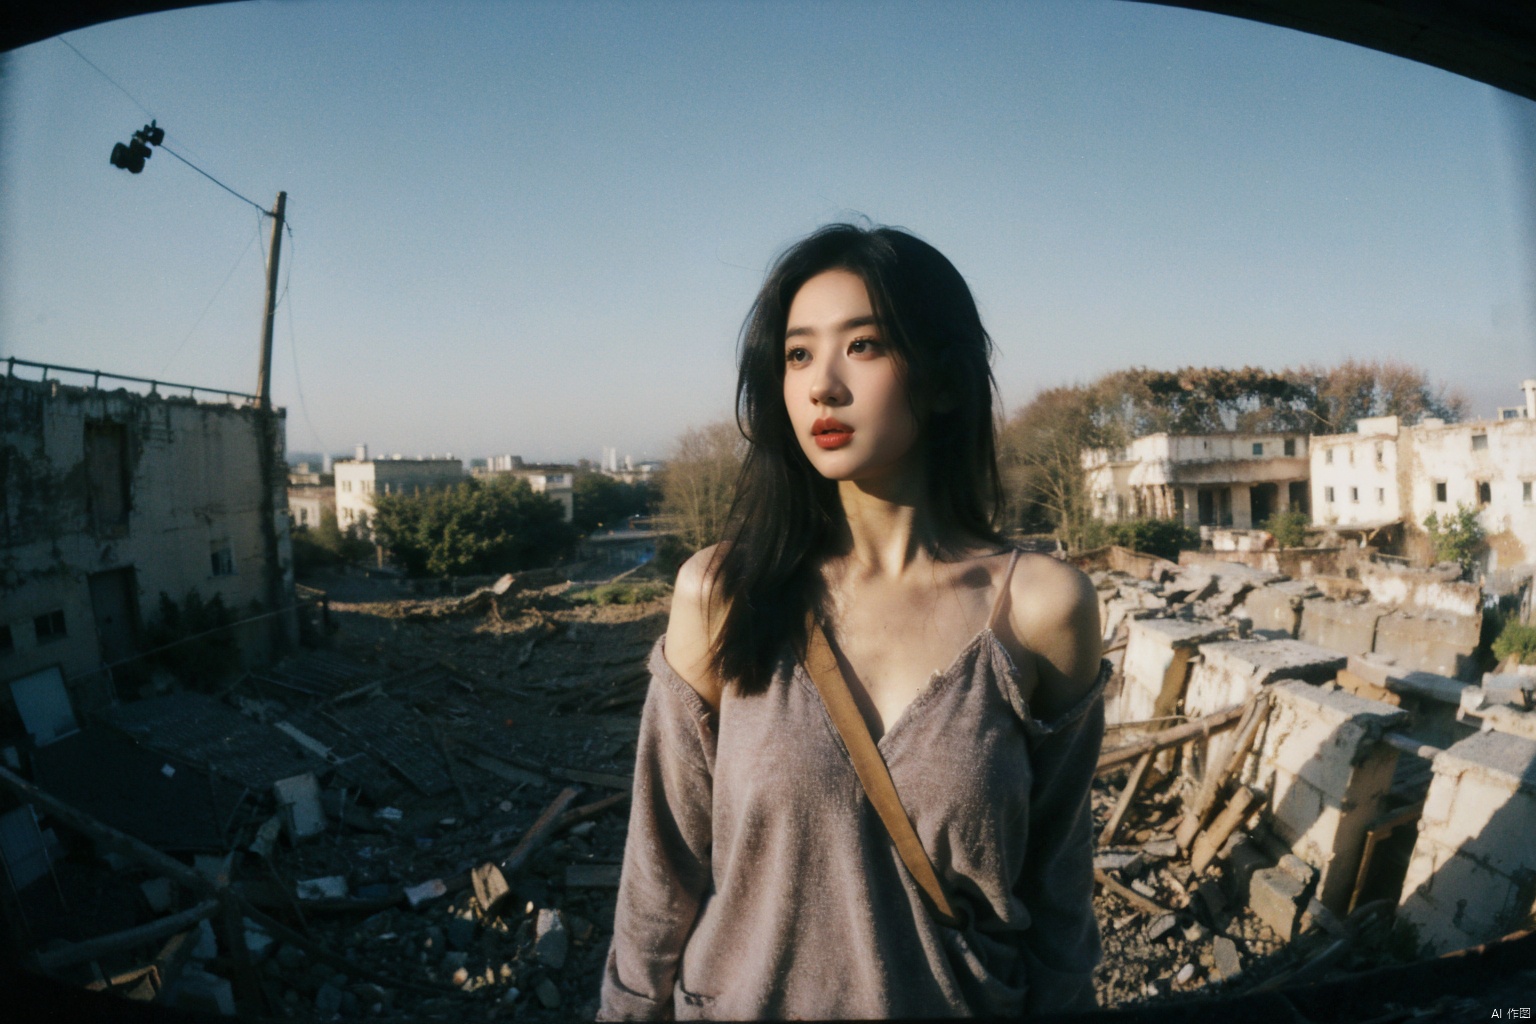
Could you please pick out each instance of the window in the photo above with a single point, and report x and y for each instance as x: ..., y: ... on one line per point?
x: 1258, y: 447
x: 1354, y: 495
x: 1440, y: 490
x: 1351, y: 456
x: 1484, y: 492
x: 106, y: 470
x: 1381, y: 495
x: 1290, y: 446
x: 1525, y: 491
x: 1328, y: 492
x: 1328, y: 456
x: 346, y: 485
x: 223, y: 559
x: 1379, y: 453
x: 7, y: 644
x: 50, y: 626
x: 1479, y: 442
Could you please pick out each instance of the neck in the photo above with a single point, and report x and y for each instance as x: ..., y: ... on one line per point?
x: 888, y: 525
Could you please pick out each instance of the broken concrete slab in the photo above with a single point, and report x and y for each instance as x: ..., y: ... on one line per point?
x: 1431, y: 642
x: 1231, y: 671
x: 1325, y: 762
x: 1340, y: 625
x: 1156, y: 666
x: 1471, y: 878
x: 298, y: 801
x: 1274, y: 612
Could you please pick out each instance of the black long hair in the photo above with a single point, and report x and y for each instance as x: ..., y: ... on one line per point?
x: 786, y: 513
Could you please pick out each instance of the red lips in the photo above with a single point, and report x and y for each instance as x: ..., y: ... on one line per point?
x: 830, y: 432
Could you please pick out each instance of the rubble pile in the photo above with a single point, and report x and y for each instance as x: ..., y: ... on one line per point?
x: 426, y: 820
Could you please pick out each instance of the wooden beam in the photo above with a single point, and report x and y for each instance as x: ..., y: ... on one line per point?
x: 91, y: 949
x: 1170, y: 738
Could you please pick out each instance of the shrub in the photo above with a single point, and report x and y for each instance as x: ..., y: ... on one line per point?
x: 1518, y: 641
x: 620, y: 593
x: 1164, y: 538
x: 327, y: 545
x: 1288, y: 528
x: 193, y: 640
x: 1458, y: 537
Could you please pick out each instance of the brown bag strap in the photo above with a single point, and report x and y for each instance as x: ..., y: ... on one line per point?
x: 821, y: 665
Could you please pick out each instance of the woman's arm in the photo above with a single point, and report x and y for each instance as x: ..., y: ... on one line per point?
x: 1055, y: 616
x: 666, y: 873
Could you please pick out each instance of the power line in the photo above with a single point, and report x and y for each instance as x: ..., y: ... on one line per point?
x: 151, y: 114
x: 108, y: 77
x: 293, y: 346
x: 211, y: 178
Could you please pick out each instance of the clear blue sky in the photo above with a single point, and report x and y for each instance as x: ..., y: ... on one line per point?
x: 535, y: 227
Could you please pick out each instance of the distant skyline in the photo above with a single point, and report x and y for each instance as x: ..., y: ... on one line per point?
x: 535, y: 228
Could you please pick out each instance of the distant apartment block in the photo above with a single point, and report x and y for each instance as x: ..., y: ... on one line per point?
x: 308, y: 505
x: 109, y: 499
x: 554, y: 481
x: 1215, y: 480
x: 359, y: 478
x: 1385, y: 472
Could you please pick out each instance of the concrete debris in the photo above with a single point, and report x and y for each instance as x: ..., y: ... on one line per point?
x: 298, y: 800
x: 326, y: 887
x: 412, y: 851
x: 551, y: 940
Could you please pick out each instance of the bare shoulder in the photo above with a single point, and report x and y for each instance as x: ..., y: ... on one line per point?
x: 1054, y: 614
x: 691, y: 626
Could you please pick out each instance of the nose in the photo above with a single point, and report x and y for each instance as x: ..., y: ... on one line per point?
x: 828, y: 388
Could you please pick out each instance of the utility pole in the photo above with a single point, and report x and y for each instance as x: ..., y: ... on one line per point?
x: 264, y: 373
x: 283, y: 622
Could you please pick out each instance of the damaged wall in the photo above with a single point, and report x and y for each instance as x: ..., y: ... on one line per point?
x: 110, y: 499
x: 1471, y: 878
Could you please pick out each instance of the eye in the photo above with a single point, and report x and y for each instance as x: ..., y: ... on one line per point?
x: 862, y: 346
x: 797, y: 355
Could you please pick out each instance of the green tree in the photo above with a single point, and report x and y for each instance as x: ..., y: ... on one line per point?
x: 326, y: 544
x: 601, y: 501
x: 474, y: 527
x: 1456, y: 537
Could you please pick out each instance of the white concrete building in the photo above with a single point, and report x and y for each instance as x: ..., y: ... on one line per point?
x: 1235, y: 480
x: 1355, y: 476
x: 1386, y: 471
x: 308, y: 505
x: 111, y: 499
x: 557, y: 482
x: 359, y: 478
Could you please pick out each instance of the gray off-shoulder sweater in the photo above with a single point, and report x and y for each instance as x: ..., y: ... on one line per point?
x: 759, y: 883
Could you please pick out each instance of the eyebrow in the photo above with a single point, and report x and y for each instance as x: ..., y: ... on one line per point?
x: 846, y: 325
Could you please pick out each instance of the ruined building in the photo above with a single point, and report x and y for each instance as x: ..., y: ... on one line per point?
x: 111, y: 500
x: 1236, y: 480
x: 1386, y: 472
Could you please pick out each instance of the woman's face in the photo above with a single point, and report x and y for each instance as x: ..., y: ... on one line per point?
x: 847, y: 402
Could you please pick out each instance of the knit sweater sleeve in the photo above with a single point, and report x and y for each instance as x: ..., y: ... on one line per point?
x: 666, y: 871
x: 1061, y: 945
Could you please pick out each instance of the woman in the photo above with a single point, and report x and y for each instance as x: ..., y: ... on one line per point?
x: 758, y: 881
